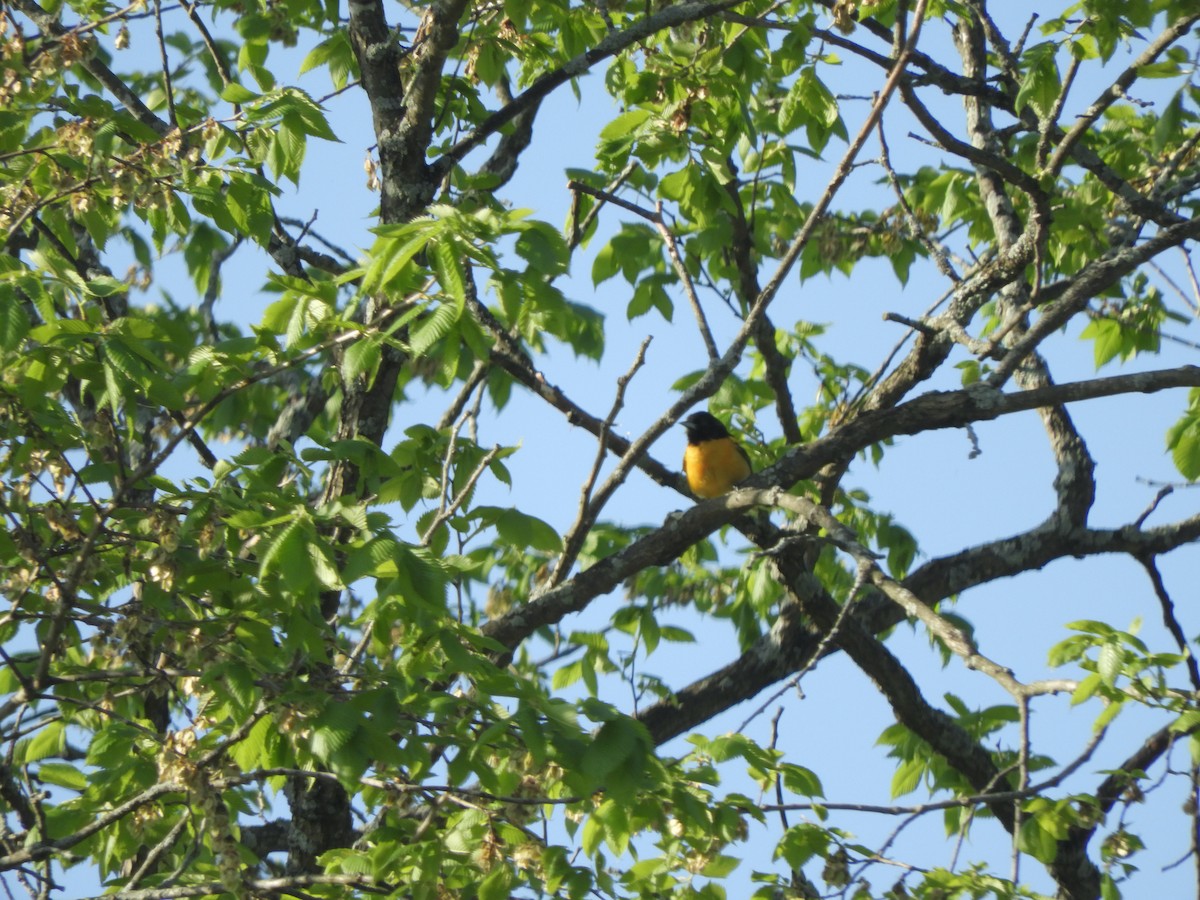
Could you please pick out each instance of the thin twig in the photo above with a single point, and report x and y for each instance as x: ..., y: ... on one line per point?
x: 685, y: 278
x: 588, y: 511
x: 1048, y: 125
x: 1022, y: 784
x: 166, y: 64
x: 474, y: 380
x: 1162, y: 494
x: 449, y: 511
x: 818, y: 652
x: 579, y: 229
x: 608, y: 197
x: 940, y: 257
x: 206, y: 36
x: 1191, y: 270
x: 1118, y: 88
x: 1170, y: 620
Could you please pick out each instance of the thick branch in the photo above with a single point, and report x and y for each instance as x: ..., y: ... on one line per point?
x: 1098, y: 277
x: 793, y: 639
x: 1075, y: 482
x: 930, y: 411
x: 894, y: 681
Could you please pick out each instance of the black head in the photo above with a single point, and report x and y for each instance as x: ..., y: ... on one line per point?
x: 702, y: 426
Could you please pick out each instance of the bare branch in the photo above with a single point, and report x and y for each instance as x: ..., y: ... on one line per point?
x: 685, y: 278
x: 1170, y: 620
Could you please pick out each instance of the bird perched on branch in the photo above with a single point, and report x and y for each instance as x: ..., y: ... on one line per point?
x: 713, y: 461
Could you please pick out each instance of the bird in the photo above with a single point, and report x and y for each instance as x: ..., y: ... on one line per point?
x: 713, y: 461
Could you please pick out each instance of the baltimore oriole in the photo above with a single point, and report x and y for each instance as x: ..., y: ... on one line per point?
x: 713, y: 461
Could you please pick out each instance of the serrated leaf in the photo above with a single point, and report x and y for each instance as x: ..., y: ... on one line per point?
x: 498, y: 885
x: 333, y: 729
x: 285, y: 154
x: 816, y: 98
x: 521, y: 530
x: 1108, y: 339
x: 433, y: 328
x: 14, y: 323
x: 800, y: 780
x: 624, y: 124
x: 451, y: 275
x: 567, y: 675
x: 48, y: 741
x: 62, y: 775
x: 1169, y: 127
x: 592, y: 835
x: 248, y: 752
x: 720, y: 866
x: 907, y: 777
x: 361, y: 359
x: 1109, y: 664
x: 1188, y: 721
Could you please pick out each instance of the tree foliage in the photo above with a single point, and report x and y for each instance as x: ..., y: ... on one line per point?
x: 269, y: 631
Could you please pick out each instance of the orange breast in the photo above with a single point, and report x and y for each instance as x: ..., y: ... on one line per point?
x: 714, y: 467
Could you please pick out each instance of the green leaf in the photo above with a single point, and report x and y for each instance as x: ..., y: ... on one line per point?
x: 808, y: 101
x: 432, y: 328
x: 614, y: 820
x: 613, y: 745
x: 1112, y: 658
x: 62, y: 775
x: 248, y: 753
x: 14, y: 323
x: 235, y: 93
x: 1042, y: 84
x: 361, y: 359
x: 334, y: 729
x: 592, y: 836
x: 907, y: 776
x: 249, y: 206
x: 800, y: 780
x: 1108, y: 338
x: 521, y: 530
x: 1188, y: 721
x: 497, y: 885
x: 1035, y: 840
x: 544, y: 248
x: 801, y: 843
x: 1183, y: 440
x: 1086, y: 689
x: 286, y: 152
x: 48, y: 741
x: 567, y: 675
x: 288, y: 555
x: 334, y: 52
x: 448, y: 266
x: 1169, y: 127
x: 624, y: 124
x: 816, y: 98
